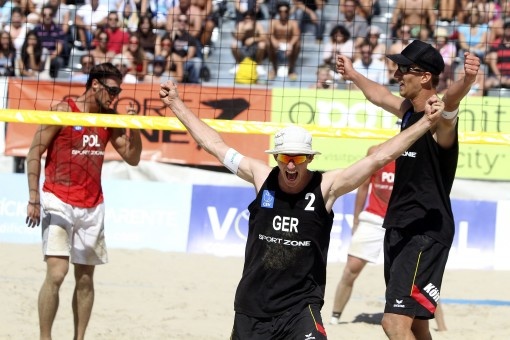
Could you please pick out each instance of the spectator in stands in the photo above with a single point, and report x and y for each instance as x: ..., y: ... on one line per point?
x: 118, y: 38
x: 7, y: 55
x: 499, y: 62
x: 378, y: 47
x: 257, y: 6
x: 310, y: 12
x: 404, y: 39
x: 52, y: 38
x: 285, y: 40
x: 87, y: 62
x: 355, y: 24
x: 17, y: 28
x: 447, y: 10
x: 88, y: 18
x: 324, y: 78
x: 448, y: 51
x: 31, y: 62
x: 128, y: 15
x: 496, y: 26
x: 100, y: 53
x: 210, y: 21
x: 29, y: 11
x: 164, y: 50
x: 365, y: 9
x: 159, y: 10
x: 134, y: 52
x: 185, y: 48
x: 124, y: 65
x: 340, y: 43
x: 147, y: 37
x: 193, y: 15
x: 472, y: 34
x: 415, y: 14
x: 61, y: 14
x: 160, y: 73
x: 250, y: 41
x: 370, y: 67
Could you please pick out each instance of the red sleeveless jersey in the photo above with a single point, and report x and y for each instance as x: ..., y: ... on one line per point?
x: 74, y: 162
x: 381, y: 184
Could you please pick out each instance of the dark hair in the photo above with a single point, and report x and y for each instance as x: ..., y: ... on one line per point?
x: 10, y: 49
x: 37, y: 49
x: 47, y: 6
x: 340, y: 29
x: 281, y: 4
x: 17, y: 10
x: 103, y: 71
x: 87, y: 56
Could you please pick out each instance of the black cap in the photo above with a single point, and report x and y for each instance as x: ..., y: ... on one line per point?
x: 421, y: 54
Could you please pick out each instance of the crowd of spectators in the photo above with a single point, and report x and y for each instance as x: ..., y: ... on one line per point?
x: 151, y: 40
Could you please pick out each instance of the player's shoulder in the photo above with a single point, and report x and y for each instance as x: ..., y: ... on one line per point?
x: 62, y: 106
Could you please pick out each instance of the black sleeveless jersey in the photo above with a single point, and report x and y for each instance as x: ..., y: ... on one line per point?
x: 286, y: 251
x: 424, y: 177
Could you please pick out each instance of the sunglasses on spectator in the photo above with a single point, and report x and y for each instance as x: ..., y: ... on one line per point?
x: 296, y: 159
x: 112, y: 90
x: 407, y: 69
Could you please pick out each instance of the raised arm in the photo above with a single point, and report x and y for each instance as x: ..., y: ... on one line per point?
x: 344, y: 181
x: 446, y: 132
x: 129, y: 146
x: 376, y: 93
x: 249, y: 169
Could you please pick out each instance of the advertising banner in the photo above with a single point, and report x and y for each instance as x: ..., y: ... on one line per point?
x: 350, y: 109
x: 165, y: 146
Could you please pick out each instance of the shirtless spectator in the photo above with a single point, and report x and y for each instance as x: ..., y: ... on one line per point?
x: 250, y: 40
x: 285, y: 36
x: 209, y: 21
x: 415, y: 14
x: 356, y: 24
x: 404, y: 39
x: 365, y: 9
x: 88, y: 18
x: 193, y: 14
x: 101, y: 54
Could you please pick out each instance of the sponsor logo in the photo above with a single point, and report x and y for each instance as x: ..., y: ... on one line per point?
x: 267, y: 199
x: 410, y: 154
x: 309, y: 336
x: 278, y: 240
x: 432, y: 291
x: 398, y: 304
x: 77, y: 128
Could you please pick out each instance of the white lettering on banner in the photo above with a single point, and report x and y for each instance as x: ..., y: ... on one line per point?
x: 91, y: 140
x: 220, y: 230
x: 12, y: 208
x: 432, y: 291
x: 337, y: 114
x: 285, y: 223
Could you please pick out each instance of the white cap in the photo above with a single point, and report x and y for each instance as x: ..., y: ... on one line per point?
x: 293, y: 140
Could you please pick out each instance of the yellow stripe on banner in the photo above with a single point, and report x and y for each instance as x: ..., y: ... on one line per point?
x: 228, y: 126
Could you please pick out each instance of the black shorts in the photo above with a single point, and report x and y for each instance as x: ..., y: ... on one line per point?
x: 414, y: 265
x: 302, y: 323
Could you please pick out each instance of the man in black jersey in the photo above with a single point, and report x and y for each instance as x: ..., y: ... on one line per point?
x: 419, y: 221
x: 281, y: 291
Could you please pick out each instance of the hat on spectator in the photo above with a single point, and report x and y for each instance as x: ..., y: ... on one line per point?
x: 293, y: 140
x: 373, y: 30
x: 421, y: 54
x: 121, y: 60
x: 441, y: 32
x: 160, y: 60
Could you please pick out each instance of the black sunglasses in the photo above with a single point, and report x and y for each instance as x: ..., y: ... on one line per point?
x: 407, y: 69
x: 112, y: 90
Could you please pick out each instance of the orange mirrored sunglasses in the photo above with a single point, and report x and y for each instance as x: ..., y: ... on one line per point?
x: 296, y: 159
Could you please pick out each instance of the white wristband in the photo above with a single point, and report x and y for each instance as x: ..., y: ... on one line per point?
x: 450, y: 115
x: 232, y: 160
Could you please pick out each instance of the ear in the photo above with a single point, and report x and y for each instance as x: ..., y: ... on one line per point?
x: 310, y: 158
x: 274, y: 156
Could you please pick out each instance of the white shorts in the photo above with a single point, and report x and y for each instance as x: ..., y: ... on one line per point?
x: 367, y: 241
x: 71, y: 231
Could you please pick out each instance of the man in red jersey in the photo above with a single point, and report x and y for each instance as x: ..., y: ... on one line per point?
x: 71, y: 199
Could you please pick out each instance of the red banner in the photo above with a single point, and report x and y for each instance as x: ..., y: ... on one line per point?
x: 166, y: 146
